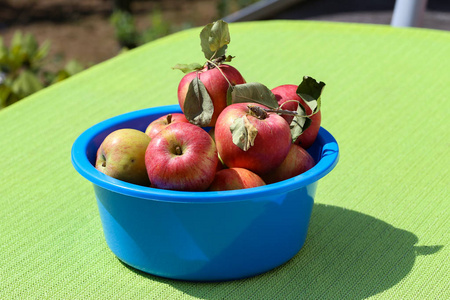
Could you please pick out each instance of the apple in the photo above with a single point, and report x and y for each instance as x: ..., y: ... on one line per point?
x: 235, y: 179
x: 296, y: 162
x: 215, y: 83
x: 265, y: 143
x: 220, y: 164
x: 162, y: 122
x: 121, y: 155
x: 181, y: 157
x: 212, y: 133
x: 287, y: 92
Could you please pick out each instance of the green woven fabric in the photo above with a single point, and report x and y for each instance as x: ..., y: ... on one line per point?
x: 380, y: 225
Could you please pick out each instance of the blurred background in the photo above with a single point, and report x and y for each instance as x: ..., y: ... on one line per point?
x: 45, y: 41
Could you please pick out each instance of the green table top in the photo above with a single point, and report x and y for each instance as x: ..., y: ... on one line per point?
x: 380, y: 221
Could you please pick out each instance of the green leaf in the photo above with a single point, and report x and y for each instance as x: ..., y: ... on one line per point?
x: 5, y: 91
x: 228, y: 58
x: 3, y: 56
x: 26, y: 84
x: 243, y: 133
x: 198, y: 106
x: 252, y: 92
x: 299, y: 123
x: 187, y: 68
x: 73, y: 67
x: 219, y: 35
x: 214, y: 39
x: 16, y: 41
x: 204, y: 41
x: 30, y: 45
x: 3, y: 53
x: 42, y: 52
x: 59, y: 76
x: 17, y: 55
x: 310, y: 91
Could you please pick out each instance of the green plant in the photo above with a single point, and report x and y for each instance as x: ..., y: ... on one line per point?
x: 125, y: 29
x: 158, y: 27
x: 129, y: 36
x: 22, y: 70
x: 70, y: 68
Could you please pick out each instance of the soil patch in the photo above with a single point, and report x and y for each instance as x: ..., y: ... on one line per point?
x: 81, y: 29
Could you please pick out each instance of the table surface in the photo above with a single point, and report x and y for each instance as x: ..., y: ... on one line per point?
x: 380, y: 221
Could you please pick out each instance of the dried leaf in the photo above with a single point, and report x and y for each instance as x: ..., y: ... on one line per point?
x: 243, y: 133
x: 310, y: 91
x: 299, y: 123
x: 198, y: 106
x: 228, y: 58
x: 188, y: 68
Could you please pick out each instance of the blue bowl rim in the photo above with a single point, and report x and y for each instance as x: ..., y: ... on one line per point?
x: 80, y: 161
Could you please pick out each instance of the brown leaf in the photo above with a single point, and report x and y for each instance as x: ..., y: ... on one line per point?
x: 243, y: 133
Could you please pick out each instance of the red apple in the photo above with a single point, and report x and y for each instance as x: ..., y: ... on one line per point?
x: 220, y: 164
x: 262, y: 152
x: 159, y: 124
x: 235, y: 179
x: 287, y: 92
x: 215, y: 83
x: 297, y: 162
x: 181, y: 157
x: 121, y: 155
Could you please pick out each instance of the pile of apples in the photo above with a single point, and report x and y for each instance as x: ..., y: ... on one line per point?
x: 230, y: 135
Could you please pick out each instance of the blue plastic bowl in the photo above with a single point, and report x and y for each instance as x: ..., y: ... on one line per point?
x: 201, y: 236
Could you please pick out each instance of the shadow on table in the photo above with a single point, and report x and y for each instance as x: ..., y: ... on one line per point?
x: 347, y: 254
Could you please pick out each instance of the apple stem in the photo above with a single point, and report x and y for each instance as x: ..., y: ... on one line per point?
x: 178, y: 150
x: 290, y: 112
x: 258, y: 112
x: 212, y: 62
x: 289, y: 101
x: 169, y: 118
x: 261, y: 113
x: 104, y: 160
x: 282, y: 111
x: 215, y: 62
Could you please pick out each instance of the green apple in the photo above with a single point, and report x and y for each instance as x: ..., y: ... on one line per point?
x: 122, y: 156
